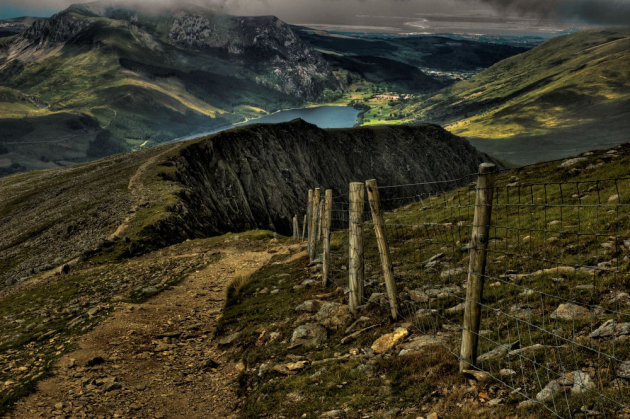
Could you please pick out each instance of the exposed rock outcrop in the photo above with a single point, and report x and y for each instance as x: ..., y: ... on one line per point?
x: 258, y: 176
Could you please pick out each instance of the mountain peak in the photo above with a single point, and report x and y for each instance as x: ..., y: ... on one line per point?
x: 113, y: 8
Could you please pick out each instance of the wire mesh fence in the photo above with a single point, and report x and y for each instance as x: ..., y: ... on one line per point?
x: 554, y: 317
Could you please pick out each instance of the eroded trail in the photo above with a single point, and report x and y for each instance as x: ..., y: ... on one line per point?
x: 155, y: 359
x: 138, y: 191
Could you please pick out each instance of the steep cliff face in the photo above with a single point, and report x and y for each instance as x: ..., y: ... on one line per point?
x: 258, y: 176
x: 251, y: 177
x: 147, y: 77
x: 59, y: 28
x: 266, y: 43
x: 266, y: 46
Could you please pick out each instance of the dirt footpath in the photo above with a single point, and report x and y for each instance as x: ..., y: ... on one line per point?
x: 157, y: 359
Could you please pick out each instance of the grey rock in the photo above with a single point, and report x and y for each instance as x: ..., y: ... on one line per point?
x: 572, y: 162
x: 624, y: 370
x: 309, y: 306
x: 377, y: 299
x: 569, y: 312
x: 149, y: 291
x: 334, y: 315
x: 547, y: 394
x: 459, y: 308
x: 521, y: 311
x: 418, y: 296
x: 420, y: 342
x: 453, y: 272
x: 611, y: 328
x: 498, y: 352
x: 582, y: 382
x: 310, y: 335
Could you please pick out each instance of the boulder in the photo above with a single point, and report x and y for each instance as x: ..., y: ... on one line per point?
x: 149, y: 291
x: 570, y: 311
x: 611, y: 328
x: 310, y: 335
x: 309, y: 306
x: 389, y: 340
x: 459, y: 308
x: 377, y: 299
x: 498, y: 352
x: 624, y: 370
x: 420, y: 342
x: 572, y: 162
x: 551, y: 390
x: 334, y: 315
x: 418, y: 296
x: 582, y: 382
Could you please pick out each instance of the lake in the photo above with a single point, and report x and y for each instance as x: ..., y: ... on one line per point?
x: 322, y: 116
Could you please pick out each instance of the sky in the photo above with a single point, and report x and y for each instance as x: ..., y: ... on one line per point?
x: 388, y: 13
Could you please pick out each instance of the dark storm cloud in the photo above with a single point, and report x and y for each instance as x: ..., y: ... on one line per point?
x: 602, y: 12
x: 348, y: 11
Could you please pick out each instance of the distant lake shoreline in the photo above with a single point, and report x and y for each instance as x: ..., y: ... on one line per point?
x: 322, y: 116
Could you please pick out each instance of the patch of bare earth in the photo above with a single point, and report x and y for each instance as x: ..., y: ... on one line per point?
x: 155, y: 359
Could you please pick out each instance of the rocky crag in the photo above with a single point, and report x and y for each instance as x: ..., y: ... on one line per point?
x: 247, y: 178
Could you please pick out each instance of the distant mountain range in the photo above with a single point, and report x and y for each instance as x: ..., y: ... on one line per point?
x: 97, y: 79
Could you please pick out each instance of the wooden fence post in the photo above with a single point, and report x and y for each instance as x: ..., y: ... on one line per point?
x: 327, y: 226
x: 383, y: 245
x: 355, y: 256
x: 304, y: 227
x: 313, y: 224
x: 321, y: 219
x: 296, y: 228
x: 309, y: 215
x: 477, y: 265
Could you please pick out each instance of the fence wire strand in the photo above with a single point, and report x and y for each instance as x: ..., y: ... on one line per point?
x: 555, y: 317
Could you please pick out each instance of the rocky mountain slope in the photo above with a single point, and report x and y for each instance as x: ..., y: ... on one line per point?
x: 283, y: 345
x: 247, y: 178
x: 140, y: 79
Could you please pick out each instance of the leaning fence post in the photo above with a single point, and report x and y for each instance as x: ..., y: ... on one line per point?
x: 313, y: 224
x: 309, y: 215
x: 355, y: 255
x: 304, y: 226
x: 327, y: 224
x: 296, y: 228
x: 383, y: 246
x: 477, y: 265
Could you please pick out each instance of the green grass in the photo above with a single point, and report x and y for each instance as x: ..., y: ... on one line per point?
x: 431, y: 378
x: 565, y: 82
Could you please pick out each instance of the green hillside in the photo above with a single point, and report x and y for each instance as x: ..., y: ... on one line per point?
x: 576, y: 85
x: 143, y: 79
